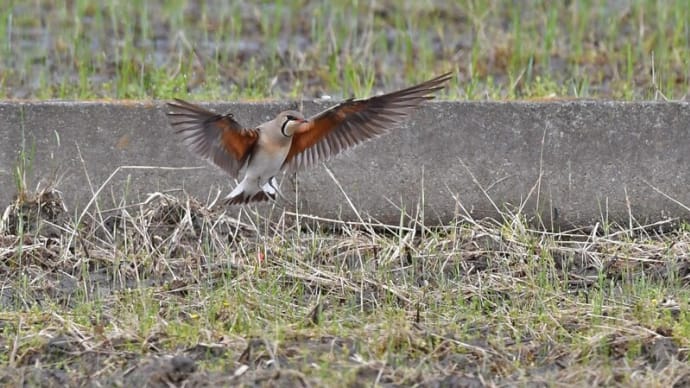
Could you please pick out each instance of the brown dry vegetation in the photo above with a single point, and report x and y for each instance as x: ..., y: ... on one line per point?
x: 168, y: 292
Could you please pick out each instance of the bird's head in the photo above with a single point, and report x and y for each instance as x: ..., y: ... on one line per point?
x: 289, y: 121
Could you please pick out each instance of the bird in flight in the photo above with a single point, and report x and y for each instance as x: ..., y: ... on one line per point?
x: 290, y: 141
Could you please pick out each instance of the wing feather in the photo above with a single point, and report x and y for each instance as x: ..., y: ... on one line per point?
x: 220, y: 139
x: 353, y: 122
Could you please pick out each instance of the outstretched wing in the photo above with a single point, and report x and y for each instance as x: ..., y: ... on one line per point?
x: 218, y: 138
x: 354, y: 121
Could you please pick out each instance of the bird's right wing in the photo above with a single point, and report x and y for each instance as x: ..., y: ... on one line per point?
x: 218, y: 138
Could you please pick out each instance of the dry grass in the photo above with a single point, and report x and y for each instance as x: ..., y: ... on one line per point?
x: 169, y: 291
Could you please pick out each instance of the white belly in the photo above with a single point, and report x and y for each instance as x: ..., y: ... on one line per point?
x: 265, y: 164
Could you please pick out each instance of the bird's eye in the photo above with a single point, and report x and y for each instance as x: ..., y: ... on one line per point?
x: 291, y: 117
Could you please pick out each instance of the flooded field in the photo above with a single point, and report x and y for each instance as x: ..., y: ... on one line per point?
x: 291, y: 49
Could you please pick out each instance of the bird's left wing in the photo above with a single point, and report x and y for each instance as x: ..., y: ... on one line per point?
x: 354, y: 121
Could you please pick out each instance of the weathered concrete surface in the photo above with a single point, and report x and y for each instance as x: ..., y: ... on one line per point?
x: 596, y: 159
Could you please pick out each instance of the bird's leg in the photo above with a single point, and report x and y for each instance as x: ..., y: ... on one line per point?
x: 273, y: 185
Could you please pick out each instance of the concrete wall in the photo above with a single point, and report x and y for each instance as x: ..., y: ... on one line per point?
x: 572, y: 162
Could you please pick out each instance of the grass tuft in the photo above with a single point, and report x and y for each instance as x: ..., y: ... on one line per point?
x: 170, y: 288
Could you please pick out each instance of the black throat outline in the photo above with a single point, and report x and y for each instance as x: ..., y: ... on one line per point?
x: 282, y: 128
